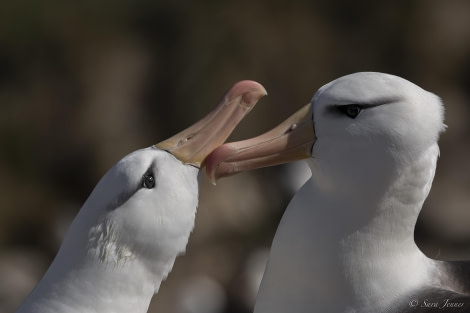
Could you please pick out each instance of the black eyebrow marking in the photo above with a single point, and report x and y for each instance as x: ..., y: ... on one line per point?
x: 367, y: 104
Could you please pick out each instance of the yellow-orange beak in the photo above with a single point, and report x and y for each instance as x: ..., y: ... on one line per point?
x: 194, y: 144
x: 291, y: 140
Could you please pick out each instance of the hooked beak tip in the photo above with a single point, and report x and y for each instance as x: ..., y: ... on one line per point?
x: 250, y: 90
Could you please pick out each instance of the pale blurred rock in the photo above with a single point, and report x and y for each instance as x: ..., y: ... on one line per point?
x: 201, y: 294
x: 248, y: 281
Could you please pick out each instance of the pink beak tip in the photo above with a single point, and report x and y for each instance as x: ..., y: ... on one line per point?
x: 249, y: 90
x: 215, y: 160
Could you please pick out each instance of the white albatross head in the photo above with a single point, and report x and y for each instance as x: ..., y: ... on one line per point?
x: 137, y: 220
x: 360, y: 122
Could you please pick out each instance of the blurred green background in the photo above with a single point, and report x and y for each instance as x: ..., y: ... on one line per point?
x: 84, y: 83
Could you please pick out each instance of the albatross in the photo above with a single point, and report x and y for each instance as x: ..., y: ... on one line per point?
x: 137, y: 220
x: 345, y: 243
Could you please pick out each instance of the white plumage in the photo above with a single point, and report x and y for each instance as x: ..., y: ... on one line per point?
x: 124, y: 241
x: 346, y: 241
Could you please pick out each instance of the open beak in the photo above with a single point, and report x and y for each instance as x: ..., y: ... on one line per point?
x: 194, y: 144
x: 292, y: 140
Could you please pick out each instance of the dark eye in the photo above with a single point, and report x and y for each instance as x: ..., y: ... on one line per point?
x: 351, y: 110
x: 148, y: 181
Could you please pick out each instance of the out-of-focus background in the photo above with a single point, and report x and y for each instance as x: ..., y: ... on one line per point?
x: 82, y: 84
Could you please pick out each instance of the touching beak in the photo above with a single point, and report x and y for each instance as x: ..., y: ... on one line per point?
x: 292, y: 140
x: 194, y: 144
